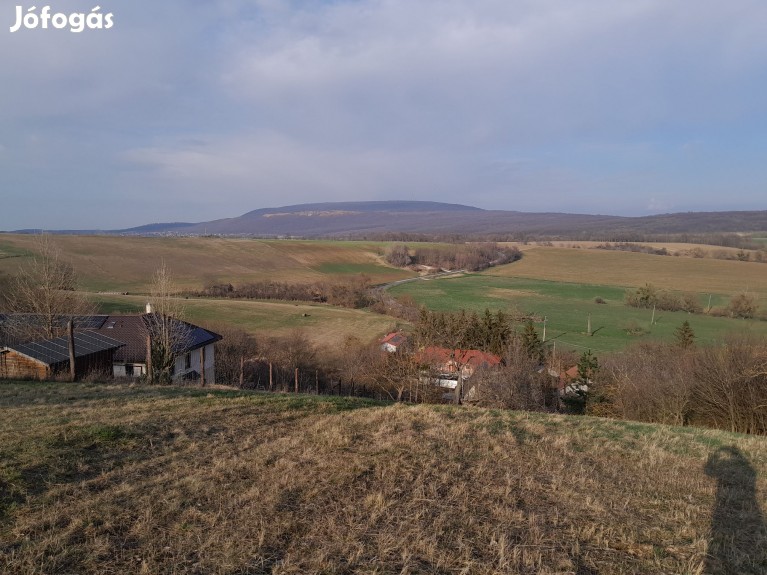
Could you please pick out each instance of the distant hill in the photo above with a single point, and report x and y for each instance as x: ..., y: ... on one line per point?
x: 344, y: 219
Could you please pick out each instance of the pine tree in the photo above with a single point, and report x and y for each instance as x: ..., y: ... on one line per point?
x: 531, y: 342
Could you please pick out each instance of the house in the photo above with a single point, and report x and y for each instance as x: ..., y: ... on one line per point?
x: 393, y: 342
x: 450, y: 364
x: 46, y: 359
x: 194, y: 357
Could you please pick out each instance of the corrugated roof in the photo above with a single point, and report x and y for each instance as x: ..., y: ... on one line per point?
x: 51, y: 351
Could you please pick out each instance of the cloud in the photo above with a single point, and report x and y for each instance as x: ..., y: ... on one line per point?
x: 275, y: 102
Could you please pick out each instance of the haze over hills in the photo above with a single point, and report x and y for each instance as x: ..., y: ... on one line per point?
x: 381, y: 217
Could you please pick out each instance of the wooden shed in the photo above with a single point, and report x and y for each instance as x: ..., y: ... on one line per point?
x: 44, y: 359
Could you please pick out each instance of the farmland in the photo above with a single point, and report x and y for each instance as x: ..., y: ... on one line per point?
x: 562, y: 285
x: 322, y: 324
x: 558, y: 283
x: 117, y: 479
x: 625, y: 269
x: 126, y: 264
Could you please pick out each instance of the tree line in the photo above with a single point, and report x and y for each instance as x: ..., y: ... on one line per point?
x: 353, y: 292
x: 471, y: 257
x: 743, y: 305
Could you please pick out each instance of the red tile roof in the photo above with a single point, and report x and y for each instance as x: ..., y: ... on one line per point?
x: 472, y: 357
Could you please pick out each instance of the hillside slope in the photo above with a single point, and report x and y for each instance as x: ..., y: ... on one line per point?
x: 417, y: 217
x: 118, y: 479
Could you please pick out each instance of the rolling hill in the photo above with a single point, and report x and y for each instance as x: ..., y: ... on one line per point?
x: 371, y: 218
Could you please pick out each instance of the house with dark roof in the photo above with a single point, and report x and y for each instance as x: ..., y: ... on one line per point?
x: 45, y: 359
x: 194, y: 347
x: 194, y: 353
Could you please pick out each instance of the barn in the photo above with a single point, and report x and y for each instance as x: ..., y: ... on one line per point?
x: 45, y: 359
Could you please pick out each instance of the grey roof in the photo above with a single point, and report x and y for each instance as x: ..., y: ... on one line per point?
x: 79, y: 321
x: 134, y: 329
x: 51, y: 351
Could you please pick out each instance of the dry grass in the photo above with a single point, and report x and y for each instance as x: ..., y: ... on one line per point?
x: 110, y: 479
x: 602, y: 267
x: 110, y: 263
x: 322, y: 324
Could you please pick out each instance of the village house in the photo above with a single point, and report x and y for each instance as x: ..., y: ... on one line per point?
x: 194, y: 353
x: 393, y: 342
x: 450, y: 364
x: 194, y: 356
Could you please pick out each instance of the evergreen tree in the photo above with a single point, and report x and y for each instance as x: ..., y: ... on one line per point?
x: 588, y: 365
x: 531, y: 342
x: 685, y: 336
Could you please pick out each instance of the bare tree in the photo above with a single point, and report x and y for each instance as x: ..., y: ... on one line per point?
x: 169, y: 335
x: 46, y: 288
x: 731, y: 390
x: 518, y: 383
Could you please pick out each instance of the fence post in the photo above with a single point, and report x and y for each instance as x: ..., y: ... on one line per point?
x: 296, y: 386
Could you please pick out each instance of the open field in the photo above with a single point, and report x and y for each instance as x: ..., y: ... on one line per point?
x: 118, y: 479
x: 602, y: 267
x: 322, y: 324
x: 126, y: 264
x: 567, y: 307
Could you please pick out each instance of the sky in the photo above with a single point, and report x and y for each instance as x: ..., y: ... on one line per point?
x: 201, y: 109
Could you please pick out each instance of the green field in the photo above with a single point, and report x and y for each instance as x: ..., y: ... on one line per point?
x: 567, y: 307
x: 98, y: 478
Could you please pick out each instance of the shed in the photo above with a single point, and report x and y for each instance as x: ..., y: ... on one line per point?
x: 44, y: 359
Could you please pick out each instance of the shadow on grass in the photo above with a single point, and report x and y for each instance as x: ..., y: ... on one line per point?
x: 738, y: 537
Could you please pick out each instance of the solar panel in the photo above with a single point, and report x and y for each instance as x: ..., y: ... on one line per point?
x: 56, y: 350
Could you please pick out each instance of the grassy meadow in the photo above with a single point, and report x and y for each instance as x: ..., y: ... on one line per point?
x: 101, y: 479
x: 562, y: 284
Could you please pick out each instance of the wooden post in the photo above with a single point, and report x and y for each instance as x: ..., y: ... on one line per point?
x: 149, y: 370
x: 296, y: 380
x: 72, y: 359
x: 242, y: 370
x: 271, y: 381
x: 588, y: 327
x: 316, y: 382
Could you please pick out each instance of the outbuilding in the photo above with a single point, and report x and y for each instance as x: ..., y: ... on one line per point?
x: 46, y: 359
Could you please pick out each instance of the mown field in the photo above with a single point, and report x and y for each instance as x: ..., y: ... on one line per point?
x: 126, y: 264
x: 323, y: 324
x: 626, y: 269
x: 562, y: 285
x: 129, y: 479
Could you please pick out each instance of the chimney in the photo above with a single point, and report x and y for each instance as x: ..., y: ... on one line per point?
x: 149, y: 308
